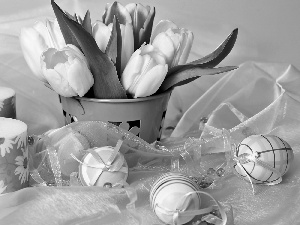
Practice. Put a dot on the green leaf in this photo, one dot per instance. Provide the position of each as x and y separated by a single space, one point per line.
87 23
66 32
106 82
189 74
214 58
114 46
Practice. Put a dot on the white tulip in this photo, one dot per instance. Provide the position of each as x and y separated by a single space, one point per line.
175 43
120 12
67 71
144 72
142 21
101 34
34 40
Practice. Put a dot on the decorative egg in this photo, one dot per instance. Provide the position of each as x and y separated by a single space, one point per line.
96 170
269 149
167 195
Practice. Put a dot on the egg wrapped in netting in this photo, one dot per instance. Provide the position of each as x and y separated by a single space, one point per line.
57 155
270 158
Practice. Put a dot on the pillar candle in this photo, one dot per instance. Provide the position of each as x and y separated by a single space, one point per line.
13 155
7 102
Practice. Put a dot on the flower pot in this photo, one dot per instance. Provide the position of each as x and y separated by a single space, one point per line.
141 116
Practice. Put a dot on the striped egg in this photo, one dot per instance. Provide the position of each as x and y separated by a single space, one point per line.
167 193
269 149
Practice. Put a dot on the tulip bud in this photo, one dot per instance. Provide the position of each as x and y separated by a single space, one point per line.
142 21
120 12
144 72
67 71
175 43
101 34
34 40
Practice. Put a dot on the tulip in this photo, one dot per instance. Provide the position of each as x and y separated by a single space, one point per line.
34 40
142 21
67 71
118 10
175 43
144 72
101 34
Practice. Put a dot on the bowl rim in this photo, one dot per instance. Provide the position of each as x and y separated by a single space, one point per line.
125 100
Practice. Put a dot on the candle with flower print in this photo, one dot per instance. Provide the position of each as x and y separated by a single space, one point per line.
13 155
7 103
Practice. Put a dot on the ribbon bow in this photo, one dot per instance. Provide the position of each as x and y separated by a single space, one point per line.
181 210
105 166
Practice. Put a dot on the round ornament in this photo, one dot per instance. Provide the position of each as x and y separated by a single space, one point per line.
172 195
103 167
266 158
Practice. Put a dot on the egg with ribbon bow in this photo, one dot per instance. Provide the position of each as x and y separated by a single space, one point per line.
173 196
103 167
263 159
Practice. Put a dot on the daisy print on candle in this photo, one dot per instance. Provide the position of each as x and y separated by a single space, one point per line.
22 169
21 140
5 145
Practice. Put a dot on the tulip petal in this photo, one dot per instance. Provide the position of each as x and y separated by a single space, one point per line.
118 10
79 77
151 81
55 38
142 21
31 52
162 26
146 30
127 44
101 34
165 45
138 15
183 50
59 85
131 71
73 51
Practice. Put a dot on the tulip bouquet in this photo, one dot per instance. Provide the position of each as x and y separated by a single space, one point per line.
119 57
